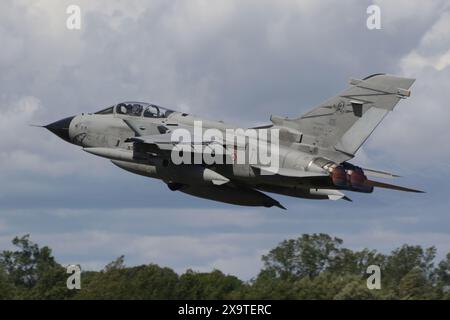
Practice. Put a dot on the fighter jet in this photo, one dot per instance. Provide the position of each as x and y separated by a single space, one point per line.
309 154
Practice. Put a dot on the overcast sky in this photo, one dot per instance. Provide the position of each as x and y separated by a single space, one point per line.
238 61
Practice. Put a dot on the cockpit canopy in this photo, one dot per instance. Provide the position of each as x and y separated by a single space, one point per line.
109 110
137 109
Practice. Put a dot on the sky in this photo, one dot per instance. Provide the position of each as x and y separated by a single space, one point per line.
237 61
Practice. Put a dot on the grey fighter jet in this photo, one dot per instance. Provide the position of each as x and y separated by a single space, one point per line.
311 153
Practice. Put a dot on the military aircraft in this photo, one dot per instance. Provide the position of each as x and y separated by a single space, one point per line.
312 152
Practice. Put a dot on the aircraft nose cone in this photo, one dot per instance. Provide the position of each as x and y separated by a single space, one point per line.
61 128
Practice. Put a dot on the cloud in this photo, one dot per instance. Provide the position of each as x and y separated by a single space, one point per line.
386 241
3 226
417 131
415 61
402 15
433 49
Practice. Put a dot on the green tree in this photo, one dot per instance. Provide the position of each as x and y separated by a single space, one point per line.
356 289
210 285
7 290
325 286
414 286
442 272
33 271
406 258
266 286
308 256
356 262
141 282
309 267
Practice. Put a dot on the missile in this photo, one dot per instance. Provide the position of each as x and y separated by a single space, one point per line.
184 174
215 178
111 153
191 175
332 194
145 170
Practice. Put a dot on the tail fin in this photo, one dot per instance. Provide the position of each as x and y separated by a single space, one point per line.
344 122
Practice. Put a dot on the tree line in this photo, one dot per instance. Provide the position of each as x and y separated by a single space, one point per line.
313 266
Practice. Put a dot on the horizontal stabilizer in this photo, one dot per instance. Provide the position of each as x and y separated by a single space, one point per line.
391 186
379 174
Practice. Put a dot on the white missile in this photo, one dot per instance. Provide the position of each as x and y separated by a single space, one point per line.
332 194
146 170
192 175
214 177
111 153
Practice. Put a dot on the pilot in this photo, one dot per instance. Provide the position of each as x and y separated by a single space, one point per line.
129 109
121 108
137 109
148 112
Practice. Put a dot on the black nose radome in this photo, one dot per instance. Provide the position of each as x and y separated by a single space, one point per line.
61 128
